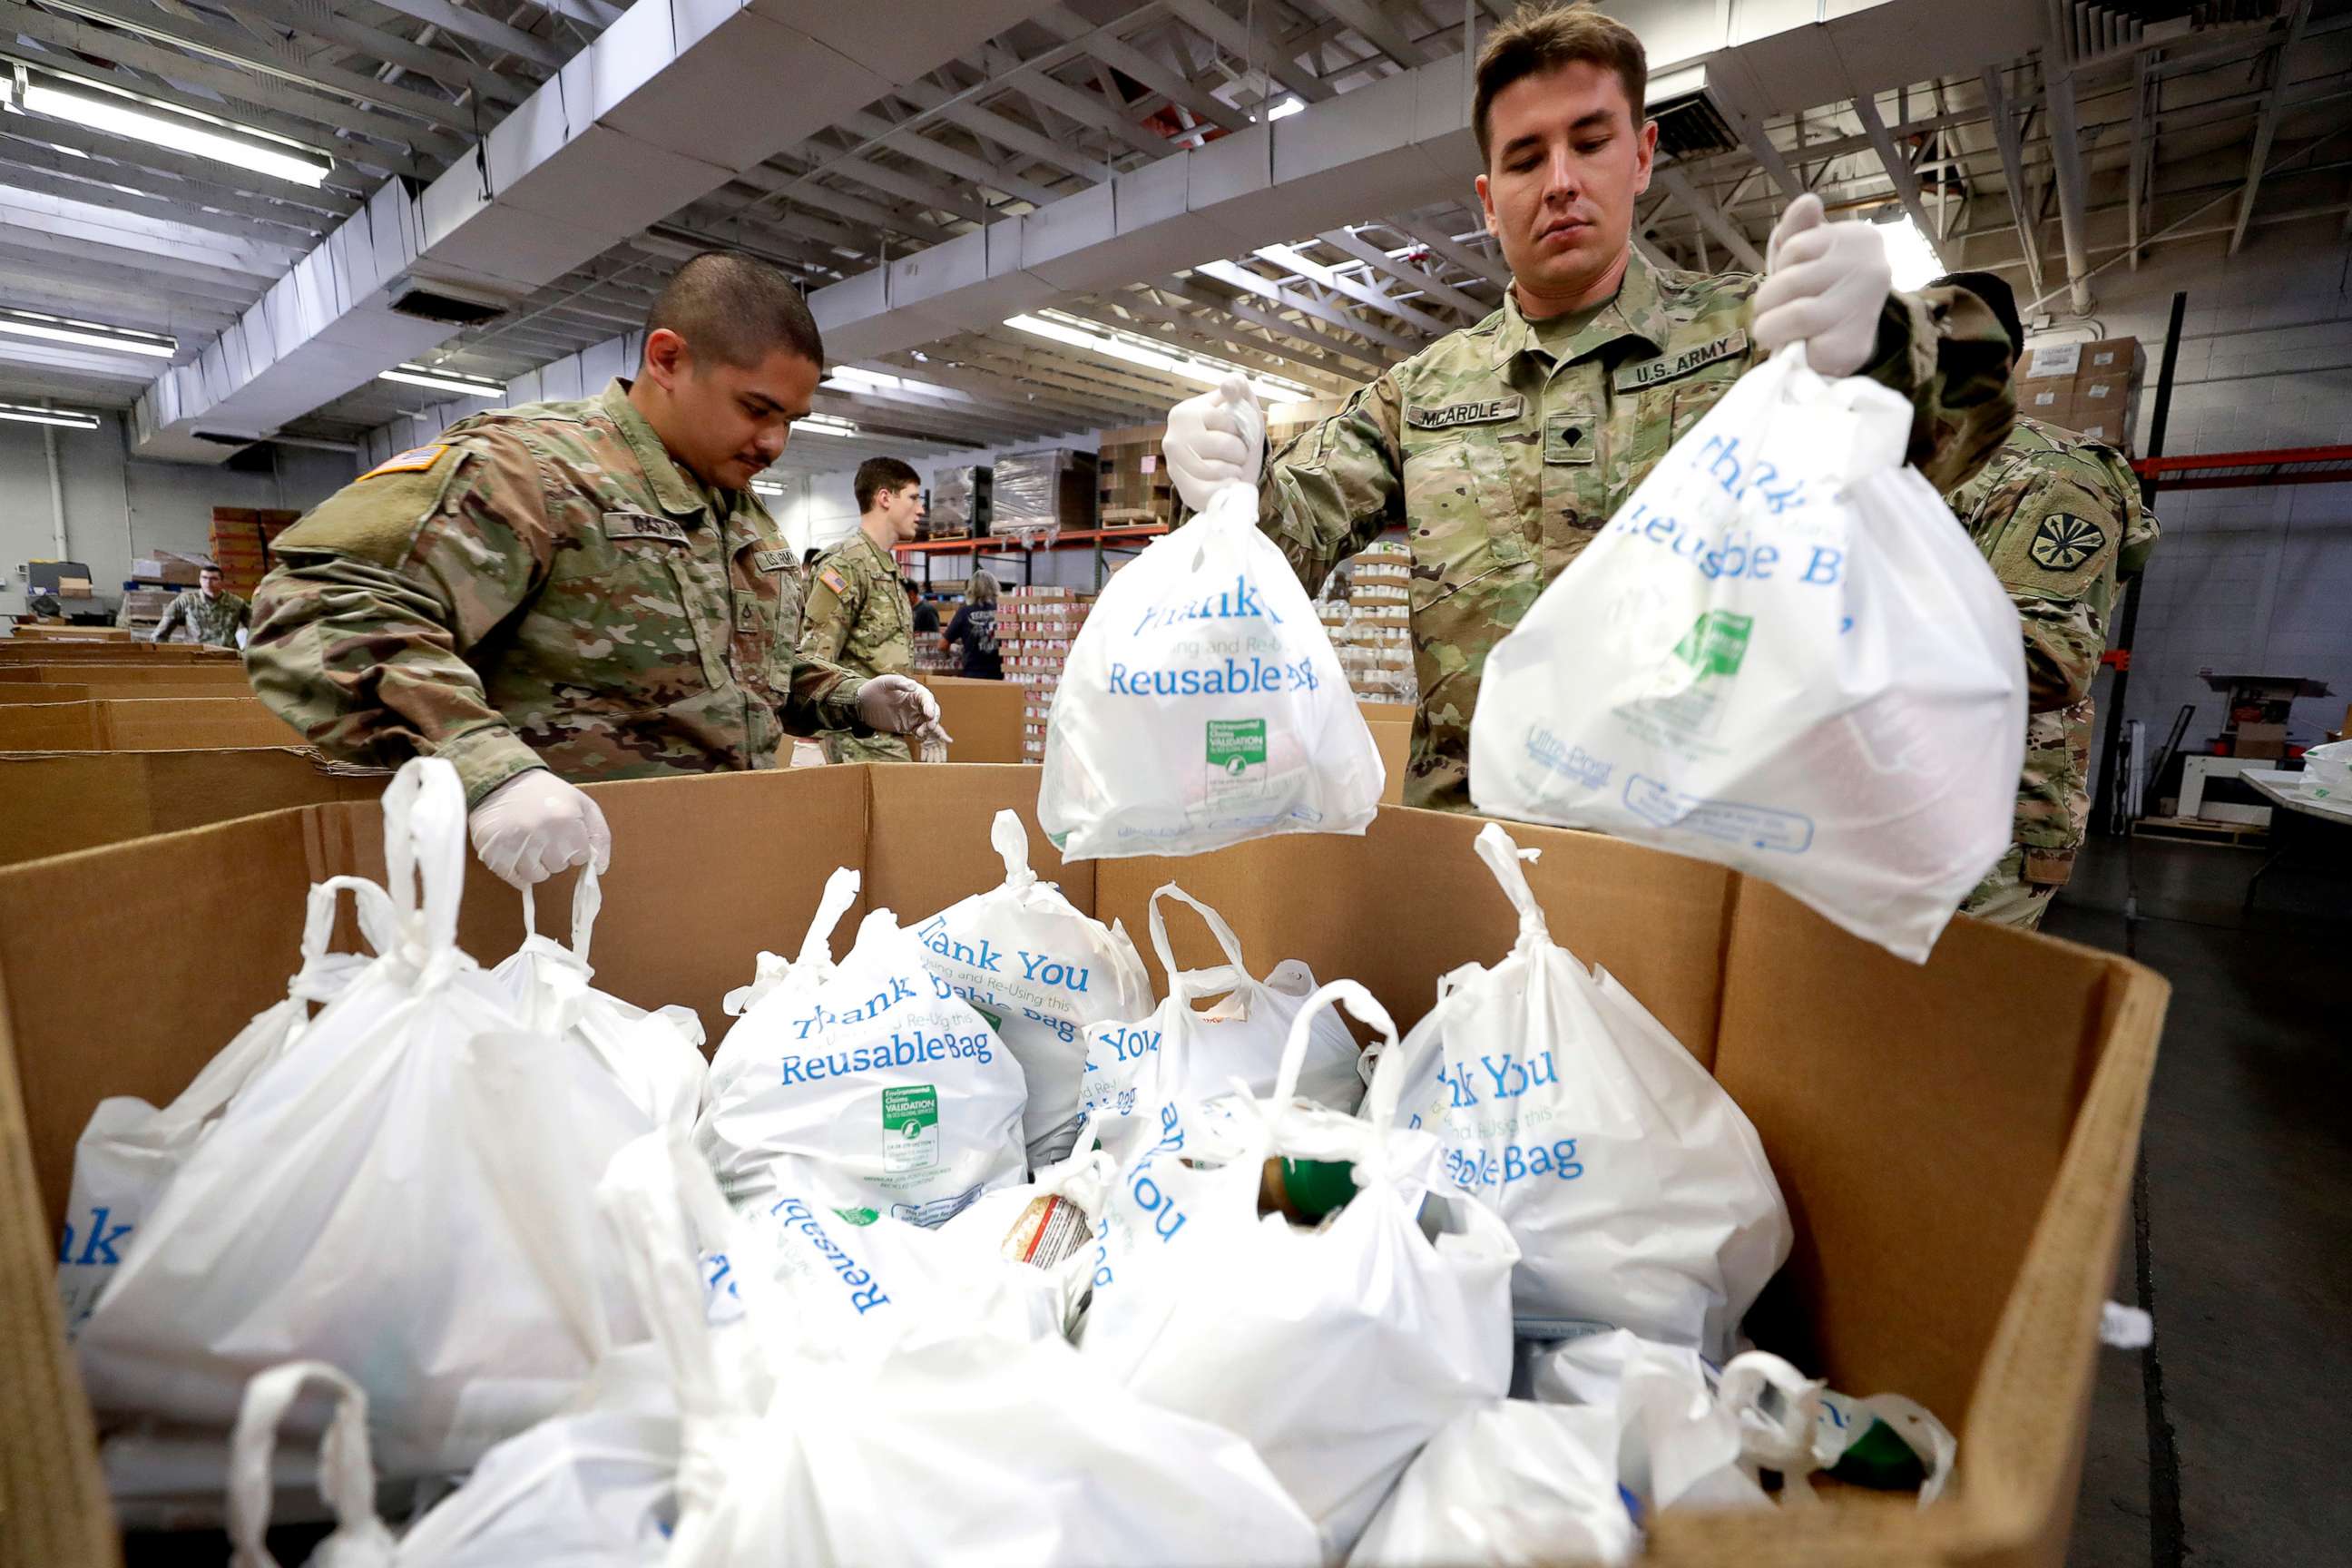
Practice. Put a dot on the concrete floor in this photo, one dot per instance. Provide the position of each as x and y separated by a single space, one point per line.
2228 1442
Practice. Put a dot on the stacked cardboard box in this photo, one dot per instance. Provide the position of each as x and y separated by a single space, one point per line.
1045 491
959 505
1372 631
167 569
1035 628
2088 387
241 540
1131 478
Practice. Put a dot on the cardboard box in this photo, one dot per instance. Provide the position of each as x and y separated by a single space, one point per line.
223 678
143 724
983 717
2061 362
117 647
169 567
1391 727
2105 390
52 803
2111 356
2052 402
1958 1182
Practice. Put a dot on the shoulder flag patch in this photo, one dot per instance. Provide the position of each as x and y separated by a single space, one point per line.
832 578
416 461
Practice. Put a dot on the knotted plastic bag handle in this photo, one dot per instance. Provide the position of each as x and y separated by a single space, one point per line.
587 901
425 842
346 1470
1191 982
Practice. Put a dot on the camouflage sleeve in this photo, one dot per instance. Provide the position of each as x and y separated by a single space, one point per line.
360 635
1946 352
1335 486
2053 555
835 602
823 695
174 613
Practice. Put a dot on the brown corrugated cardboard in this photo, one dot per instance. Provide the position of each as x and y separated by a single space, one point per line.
1956 1140
52 803
124 673
22 691
985 717
2118 356
2046 361
135 651
50 727
143 724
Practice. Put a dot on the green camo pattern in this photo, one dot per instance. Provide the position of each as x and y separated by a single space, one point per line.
212 622
865 627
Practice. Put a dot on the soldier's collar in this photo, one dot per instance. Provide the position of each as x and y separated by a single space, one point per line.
1635 312
677 492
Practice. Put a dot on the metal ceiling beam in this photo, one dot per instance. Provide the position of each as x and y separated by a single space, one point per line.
248 217
71 226
1044 381
1476 263
2012 170
109 267
1377 29
1122 55
594 13
1711 216
1355 289
1242 277
1079 371
1088 107
926 195
912 143
1906 179
772 183
1411 277
1188 332
136 162
1242 311
453 71
2266 123
1007 133
2066 153
465 23
61 294
995 387
1254 48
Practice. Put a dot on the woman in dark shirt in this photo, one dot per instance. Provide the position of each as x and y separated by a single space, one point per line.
975 627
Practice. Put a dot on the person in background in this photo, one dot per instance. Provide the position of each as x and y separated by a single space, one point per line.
927 614
2059 517
567 591
858 613
1504 447
213 615
975 627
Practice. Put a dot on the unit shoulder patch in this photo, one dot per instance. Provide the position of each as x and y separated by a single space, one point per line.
2063 542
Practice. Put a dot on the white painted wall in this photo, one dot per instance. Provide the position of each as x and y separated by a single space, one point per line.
117 507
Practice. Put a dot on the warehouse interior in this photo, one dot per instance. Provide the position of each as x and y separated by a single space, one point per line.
251 250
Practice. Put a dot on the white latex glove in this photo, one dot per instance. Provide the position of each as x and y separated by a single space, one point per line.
1214 440
1824 286
535 825
896 704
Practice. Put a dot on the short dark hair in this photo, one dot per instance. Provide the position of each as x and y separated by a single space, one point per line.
1542 37
736 308
208 566
912 587
1999 298
875 475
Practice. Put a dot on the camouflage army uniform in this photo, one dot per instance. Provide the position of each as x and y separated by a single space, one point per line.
213 622
857 618
2059 517
542 585
1502 449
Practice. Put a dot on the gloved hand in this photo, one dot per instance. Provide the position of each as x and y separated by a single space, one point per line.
535 825
896 704
1824 286
1214 440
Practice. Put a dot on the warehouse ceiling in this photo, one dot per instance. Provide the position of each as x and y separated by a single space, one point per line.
2071 141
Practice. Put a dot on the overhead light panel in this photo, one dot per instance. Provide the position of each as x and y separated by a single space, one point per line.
766 487
825 425
181 132
1913 260
1134 348
445 381
64 418
1284 110
85 335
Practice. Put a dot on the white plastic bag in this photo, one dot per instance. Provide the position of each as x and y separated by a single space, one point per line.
130 1151
409 1196
1637 1190
1337 1352
1203 705
656 1056
934 1446
1182 1054
869 1082
1782 654
2327 774
1039 971
1507 1484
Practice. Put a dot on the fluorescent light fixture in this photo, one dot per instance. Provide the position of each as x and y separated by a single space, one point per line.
823 424
65 418
766 487
85 335
216 140
1284 110
1134 348
849 378
1913 259
445 381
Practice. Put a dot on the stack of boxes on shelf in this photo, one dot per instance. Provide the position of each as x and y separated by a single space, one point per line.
1131 478
1372 632
2089 388
959 504
1035 628
157 579
1043 492
241 540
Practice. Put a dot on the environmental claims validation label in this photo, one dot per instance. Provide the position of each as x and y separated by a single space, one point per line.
910 1129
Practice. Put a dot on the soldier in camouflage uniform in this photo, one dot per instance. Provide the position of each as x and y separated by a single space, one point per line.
213 615
574 591
2059 517
1503 448
858 613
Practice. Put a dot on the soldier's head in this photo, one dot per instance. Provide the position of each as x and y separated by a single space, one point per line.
209 579
889 496
1999 298
1558 108
731 358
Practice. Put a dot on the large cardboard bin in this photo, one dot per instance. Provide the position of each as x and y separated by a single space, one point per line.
1956 1140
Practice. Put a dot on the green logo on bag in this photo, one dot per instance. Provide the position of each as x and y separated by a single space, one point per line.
858 1216
1236 743
1715 643
994 1020
908 1112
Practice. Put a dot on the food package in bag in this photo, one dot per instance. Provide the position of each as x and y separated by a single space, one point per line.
1039 971
1338 1350
1203 705
1636 1188
1183 1054
869 1082
806 1446
1782 654
656 1056
408 1195
130 1151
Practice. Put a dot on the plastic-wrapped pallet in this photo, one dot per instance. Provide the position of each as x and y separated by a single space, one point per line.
1050 488
959 502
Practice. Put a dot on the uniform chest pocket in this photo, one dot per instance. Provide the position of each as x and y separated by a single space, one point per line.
634 597
1694 396
1461 509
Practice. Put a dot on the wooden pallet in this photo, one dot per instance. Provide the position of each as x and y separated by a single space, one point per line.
1123 516
2196 830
